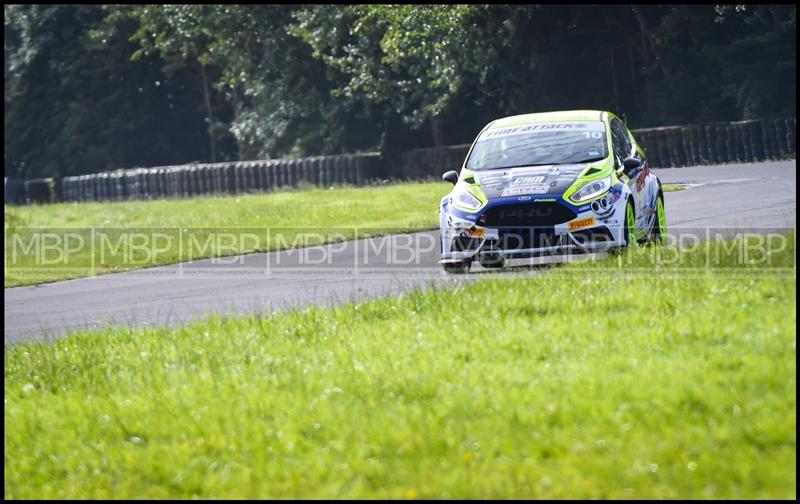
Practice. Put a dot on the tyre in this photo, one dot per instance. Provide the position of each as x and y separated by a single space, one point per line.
492 260
628 229
457 268
659 234
630 225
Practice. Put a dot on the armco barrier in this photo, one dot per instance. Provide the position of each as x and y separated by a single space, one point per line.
669 146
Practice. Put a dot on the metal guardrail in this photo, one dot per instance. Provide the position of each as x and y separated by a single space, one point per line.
670 146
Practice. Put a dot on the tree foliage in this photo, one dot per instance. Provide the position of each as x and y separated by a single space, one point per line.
91 88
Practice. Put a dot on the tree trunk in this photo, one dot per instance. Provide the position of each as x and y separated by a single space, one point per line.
210 114
647 57
644 34
437 131
614 83
636 84
391 151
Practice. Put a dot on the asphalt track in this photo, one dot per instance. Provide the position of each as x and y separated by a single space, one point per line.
735 196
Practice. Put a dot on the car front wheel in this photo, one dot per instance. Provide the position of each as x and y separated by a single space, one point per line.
630 225
628 229
492 260
457 268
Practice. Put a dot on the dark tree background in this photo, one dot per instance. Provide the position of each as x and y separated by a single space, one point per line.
92 88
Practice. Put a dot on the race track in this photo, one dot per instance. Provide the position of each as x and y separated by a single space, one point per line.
737 195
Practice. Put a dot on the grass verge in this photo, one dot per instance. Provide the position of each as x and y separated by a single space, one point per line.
339 214
138 234
672 187
580 382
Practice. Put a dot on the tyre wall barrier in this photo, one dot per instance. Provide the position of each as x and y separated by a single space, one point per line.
219 178
14 191
40 191
432 162
32 191
665 147
668 146
739 141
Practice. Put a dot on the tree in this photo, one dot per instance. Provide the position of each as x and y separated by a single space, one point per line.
75 105
92 88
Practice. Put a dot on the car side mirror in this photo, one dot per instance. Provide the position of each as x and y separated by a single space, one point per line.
450 176
630 164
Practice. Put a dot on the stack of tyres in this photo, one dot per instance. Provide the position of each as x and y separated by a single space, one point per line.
756 140
791 136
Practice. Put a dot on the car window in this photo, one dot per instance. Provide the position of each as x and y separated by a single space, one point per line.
619 137
539 144
626 135
628 142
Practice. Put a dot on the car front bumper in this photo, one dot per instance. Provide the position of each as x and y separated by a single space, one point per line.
587 232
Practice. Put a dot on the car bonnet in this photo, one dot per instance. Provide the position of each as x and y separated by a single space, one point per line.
550 179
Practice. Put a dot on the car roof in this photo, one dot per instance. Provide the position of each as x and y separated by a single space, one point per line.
543 117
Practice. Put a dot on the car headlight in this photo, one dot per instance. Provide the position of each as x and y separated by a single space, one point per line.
465 199
592 189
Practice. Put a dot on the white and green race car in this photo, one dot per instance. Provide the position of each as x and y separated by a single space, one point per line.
555 182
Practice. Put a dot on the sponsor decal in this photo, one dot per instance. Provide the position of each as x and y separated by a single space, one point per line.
545 200
542 127
615 193
652 194
525 189
461 214
528 180
531 213
524 198
640 179
581 223
474 233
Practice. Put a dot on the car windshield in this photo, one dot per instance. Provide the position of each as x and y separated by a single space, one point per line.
539 144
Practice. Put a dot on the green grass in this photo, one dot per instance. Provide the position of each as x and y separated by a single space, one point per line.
672 187
333 213
577 383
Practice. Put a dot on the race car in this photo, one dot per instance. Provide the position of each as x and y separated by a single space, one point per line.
549 183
